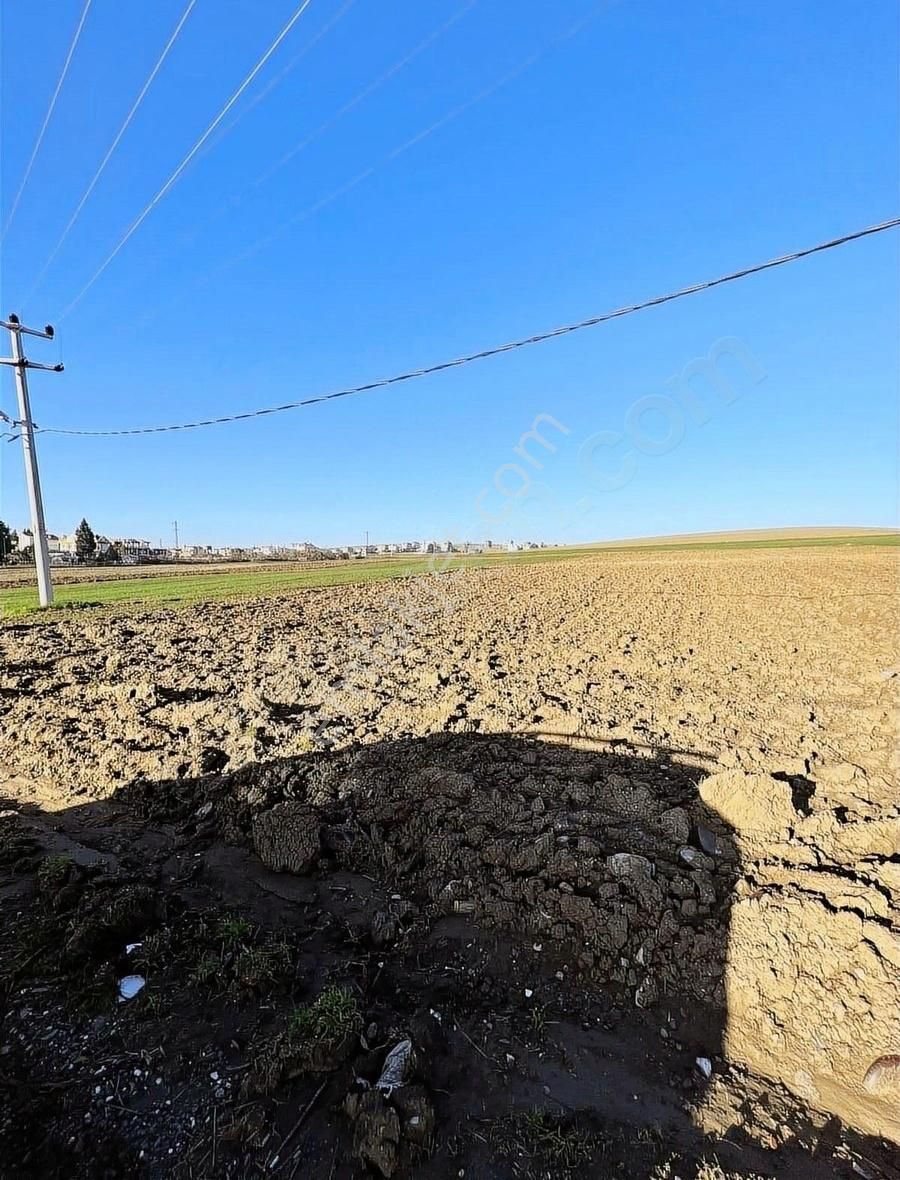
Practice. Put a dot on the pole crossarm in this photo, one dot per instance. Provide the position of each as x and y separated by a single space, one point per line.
13 325
26 364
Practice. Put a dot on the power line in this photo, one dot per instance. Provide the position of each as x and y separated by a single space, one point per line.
139 220
280 77
112 147
363 94
47 117
238 197
593 321
348 185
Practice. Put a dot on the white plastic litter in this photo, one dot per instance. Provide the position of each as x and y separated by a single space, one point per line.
129 986
705 1066
396 1064
132 946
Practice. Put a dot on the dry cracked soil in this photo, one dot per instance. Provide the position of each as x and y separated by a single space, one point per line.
584 869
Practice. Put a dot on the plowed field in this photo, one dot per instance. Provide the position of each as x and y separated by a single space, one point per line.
612 843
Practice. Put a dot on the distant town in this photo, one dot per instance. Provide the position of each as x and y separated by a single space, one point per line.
84 546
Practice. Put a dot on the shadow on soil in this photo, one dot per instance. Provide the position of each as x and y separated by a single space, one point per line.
546 926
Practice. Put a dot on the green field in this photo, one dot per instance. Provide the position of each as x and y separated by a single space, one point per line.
214 587
173 590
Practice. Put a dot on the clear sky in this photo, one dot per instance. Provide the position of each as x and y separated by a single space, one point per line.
561 173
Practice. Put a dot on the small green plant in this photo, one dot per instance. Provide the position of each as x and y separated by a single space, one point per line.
255 968
538 1018
152 1002
54 872
538 1134
205 970
317 1037
234 929
331 1017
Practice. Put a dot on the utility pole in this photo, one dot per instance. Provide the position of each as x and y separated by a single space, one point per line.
175 526
32 477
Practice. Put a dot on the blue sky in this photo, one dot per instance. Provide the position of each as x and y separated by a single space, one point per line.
654 146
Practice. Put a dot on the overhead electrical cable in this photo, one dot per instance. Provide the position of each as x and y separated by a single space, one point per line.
604 317
236 199
359 177
169 184
413 140
112 147
363 94
40 137
284 73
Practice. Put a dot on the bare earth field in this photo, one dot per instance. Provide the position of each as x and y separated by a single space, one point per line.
601 855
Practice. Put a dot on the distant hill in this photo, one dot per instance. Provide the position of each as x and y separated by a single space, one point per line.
798 533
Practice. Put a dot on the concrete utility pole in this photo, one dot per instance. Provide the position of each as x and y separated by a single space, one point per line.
175 526
32 477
